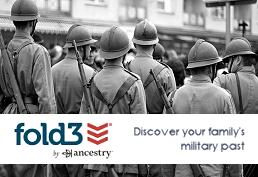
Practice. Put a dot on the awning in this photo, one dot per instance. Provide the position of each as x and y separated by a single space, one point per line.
49 26
202 33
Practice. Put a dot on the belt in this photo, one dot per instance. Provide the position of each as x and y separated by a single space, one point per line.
26 100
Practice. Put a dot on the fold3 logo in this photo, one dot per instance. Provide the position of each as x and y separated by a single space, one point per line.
95 134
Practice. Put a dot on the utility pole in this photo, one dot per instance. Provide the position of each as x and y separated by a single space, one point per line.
228 37
243 24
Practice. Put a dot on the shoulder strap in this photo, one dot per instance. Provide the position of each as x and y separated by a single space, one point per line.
120 93
239 94
15 55
123 89
97 93
156 70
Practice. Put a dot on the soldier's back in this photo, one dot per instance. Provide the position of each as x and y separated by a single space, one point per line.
141 66
109 81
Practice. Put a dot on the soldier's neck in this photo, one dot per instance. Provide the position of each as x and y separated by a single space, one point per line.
145 53
114 62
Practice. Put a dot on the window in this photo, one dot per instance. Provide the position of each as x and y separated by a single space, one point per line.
54 6
164 5
132 11
194 13
218 12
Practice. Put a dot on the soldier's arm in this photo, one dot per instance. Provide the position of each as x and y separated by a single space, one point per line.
143 170
235 170
219 80
167 80
138 98
1 100
43 82
230 105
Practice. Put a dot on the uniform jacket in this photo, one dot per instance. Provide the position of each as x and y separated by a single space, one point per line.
140 169
248 84
34 75
68 84
211 170
141 65
200 96
161 170
108 81
65 170
23 170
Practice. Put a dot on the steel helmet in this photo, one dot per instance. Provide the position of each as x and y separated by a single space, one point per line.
145 33
24 10
158 52
238 46
114 43
81 36
202 54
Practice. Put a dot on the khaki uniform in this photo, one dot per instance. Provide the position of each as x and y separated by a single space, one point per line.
108 81
200 96
66 170
33 76
212 170
122 170
248 84
68 84
141 65
23 170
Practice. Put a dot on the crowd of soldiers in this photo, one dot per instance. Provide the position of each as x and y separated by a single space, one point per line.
120 86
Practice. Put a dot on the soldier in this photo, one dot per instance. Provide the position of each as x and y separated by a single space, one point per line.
114 89
31 64
66 75
66 170
145 38
241 81
158 53
116 170
200 96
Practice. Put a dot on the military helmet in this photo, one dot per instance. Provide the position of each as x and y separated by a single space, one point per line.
158 52
238 46
81 36
145 33
24 10
202 54
114 43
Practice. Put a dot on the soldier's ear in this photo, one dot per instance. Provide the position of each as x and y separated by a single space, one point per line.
238 60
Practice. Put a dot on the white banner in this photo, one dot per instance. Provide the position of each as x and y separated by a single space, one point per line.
125 139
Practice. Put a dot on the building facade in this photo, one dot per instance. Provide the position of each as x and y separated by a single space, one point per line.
179 22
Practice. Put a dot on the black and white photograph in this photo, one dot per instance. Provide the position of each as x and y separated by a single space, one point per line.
128 57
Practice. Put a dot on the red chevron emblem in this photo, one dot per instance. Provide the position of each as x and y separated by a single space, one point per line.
97 142
98 128
97 135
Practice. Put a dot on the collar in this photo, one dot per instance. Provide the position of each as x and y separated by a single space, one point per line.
22 34
248 69
144 54
113 64
201 78
71 56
